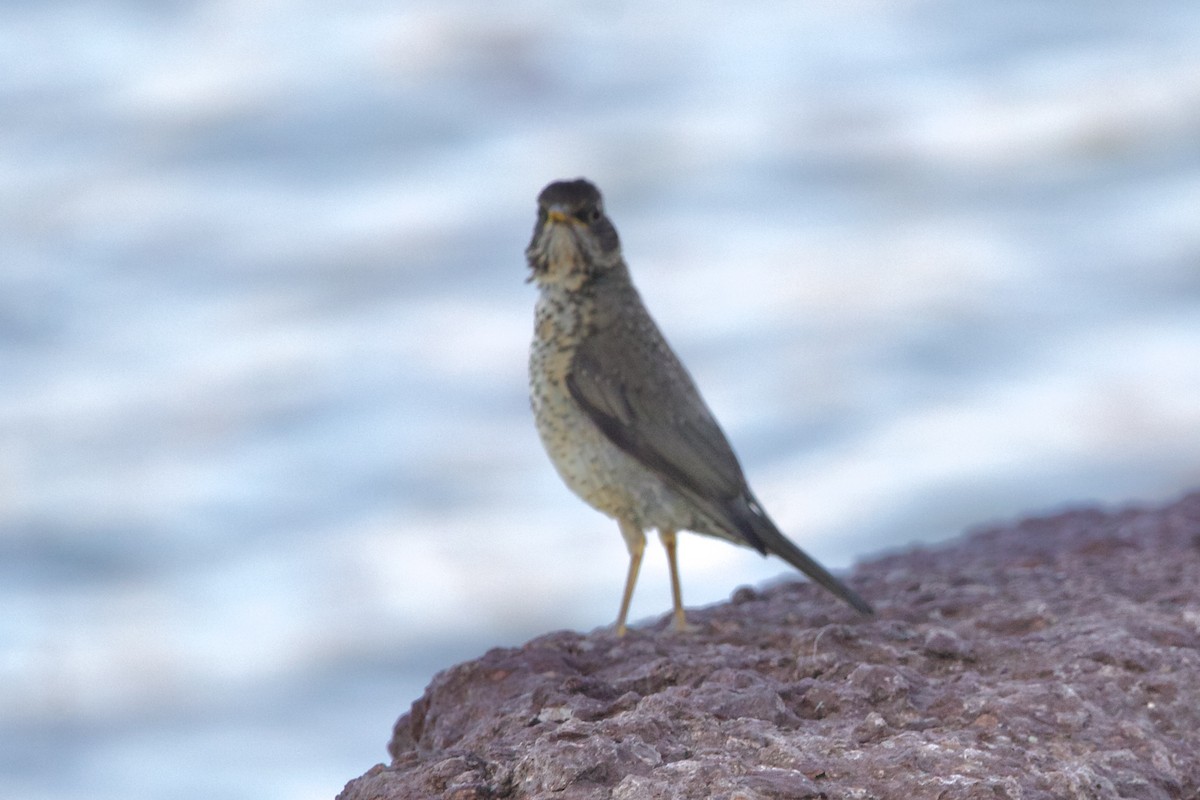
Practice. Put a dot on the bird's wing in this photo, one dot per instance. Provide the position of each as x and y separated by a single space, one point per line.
638 393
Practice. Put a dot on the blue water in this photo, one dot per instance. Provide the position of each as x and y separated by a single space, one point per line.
266 462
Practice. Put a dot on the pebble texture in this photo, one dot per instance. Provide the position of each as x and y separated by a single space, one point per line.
1054 658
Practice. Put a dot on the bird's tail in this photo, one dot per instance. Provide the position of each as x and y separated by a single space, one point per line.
760 532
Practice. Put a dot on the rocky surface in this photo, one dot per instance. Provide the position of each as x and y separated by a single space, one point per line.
1054 658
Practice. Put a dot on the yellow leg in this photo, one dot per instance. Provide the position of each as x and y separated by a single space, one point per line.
635 540
668 540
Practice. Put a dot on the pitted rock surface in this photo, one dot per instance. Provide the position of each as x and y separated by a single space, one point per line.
1054 658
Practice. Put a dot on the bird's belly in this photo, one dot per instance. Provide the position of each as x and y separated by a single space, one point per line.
607 478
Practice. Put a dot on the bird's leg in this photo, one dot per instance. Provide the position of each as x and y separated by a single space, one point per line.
668 540
635 540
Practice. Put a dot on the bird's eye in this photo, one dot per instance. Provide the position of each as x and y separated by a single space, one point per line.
590 214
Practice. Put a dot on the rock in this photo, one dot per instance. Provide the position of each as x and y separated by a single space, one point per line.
1054 658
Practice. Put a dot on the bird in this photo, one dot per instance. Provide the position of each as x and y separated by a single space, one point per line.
618 413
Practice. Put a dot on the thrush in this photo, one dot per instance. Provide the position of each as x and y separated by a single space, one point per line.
617 412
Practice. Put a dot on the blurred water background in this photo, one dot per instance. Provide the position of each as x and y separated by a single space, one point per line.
266 460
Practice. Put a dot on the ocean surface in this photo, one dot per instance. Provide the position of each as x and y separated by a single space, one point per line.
266 458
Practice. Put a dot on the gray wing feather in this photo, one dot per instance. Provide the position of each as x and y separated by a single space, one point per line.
686 446
633 387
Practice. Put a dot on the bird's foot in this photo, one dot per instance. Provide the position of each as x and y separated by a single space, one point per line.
680 625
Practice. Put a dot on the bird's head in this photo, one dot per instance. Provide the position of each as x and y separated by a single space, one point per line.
573 240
